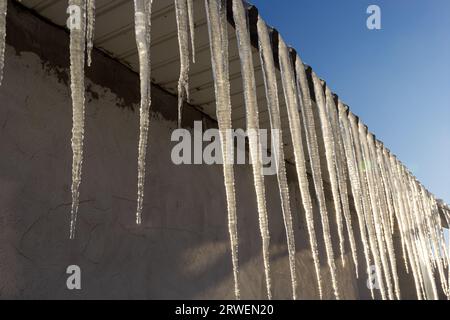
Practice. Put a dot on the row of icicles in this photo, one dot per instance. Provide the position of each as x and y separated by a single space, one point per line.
386 197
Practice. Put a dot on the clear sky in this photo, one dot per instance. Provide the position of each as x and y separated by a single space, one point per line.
396 79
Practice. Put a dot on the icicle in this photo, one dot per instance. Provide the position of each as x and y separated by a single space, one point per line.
3 10
313 151
413 230
90 9
384 225
248 78
403 222
425 224
380 180
190 6
339 160
417 250
440 232
396 209
387 194
77 52
370 163
410 242
366 204
386 186
217 27
182 14
142 27
330 155
435 229
355 183
289 89
422 239
270 81
310 130
446 214
292 103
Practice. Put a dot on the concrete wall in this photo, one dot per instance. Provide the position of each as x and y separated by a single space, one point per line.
182 248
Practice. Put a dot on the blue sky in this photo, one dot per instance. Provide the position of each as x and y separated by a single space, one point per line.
396 79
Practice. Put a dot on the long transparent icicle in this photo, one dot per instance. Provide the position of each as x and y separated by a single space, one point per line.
77 53
182 15
382 216
423 223
413 231
270 81
355 184
311 139
341 172
403 223
142 16
447 220
417 250
396 208
330 159
435 229
90 9
366 203
380 194
290 94
437 223
440 232
190 6
419 219
385 191
409 232
377 208
370 163
422 239
440 242
3 10
387 186
248 79
384 212
305 102
218 38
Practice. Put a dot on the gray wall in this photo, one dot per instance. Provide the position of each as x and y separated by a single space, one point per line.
182 248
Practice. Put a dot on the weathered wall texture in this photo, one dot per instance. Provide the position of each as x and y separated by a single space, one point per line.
182 248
